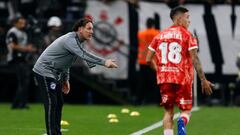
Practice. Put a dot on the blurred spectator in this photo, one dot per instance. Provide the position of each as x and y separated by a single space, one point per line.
107 1
75 9
174 3
48 8
238 65
237 87
18 49
54 24
12 9
3 48
3 10
147 84
27 7
135 3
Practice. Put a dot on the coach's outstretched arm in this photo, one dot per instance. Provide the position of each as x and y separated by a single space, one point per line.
76 48
110 63
90 57
205 84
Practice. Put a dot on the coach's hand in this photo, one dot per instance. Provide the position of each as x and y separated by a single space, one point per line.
66 87
110 64
206 87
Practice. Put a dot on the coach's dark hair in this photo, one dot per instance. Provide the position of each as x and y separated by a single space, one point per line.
177 10
81 23
150 23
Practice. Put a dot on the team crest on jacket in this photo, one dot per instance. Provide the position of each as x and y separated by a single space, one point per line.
53 85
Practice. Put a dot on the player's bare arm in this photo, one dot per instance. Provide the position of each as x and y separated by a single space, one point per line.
154 65
206 85
149 59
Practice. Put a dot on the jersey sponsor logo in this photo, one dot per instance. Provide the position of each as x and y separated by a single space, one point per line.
169 69
53 85
183 102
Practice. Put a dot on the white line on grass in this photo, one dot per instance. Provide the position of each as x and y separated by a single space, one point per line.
158 124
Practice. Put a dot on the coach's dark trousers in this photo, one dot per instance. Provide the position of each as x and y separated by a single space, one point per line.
53 102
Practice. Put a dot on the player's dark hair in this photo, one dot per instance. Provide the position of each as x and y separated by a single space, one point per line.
81 23
177 10
150 22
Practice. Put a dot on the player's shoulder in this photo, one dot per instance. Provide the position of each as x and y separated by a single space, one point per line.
166 30
163 32
158 35
185 31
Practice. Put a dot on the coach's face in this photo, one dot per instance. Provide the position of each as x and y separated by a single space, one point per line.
86 31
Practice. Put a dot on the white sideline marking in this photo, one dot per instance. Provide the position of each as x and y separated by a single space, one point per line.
158 124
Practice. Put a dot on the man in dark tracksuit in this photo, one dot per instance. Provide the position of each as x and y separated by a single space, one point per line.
18 49
52 70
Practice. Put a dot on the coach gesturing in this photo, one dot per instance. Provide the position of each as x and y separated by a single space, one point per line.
52 70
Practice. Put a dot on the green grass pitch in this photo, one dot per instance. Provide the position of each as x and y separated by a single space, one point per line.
92 120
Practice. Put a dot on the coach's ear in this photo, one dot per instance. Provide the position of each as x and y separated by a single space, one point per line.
80 29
